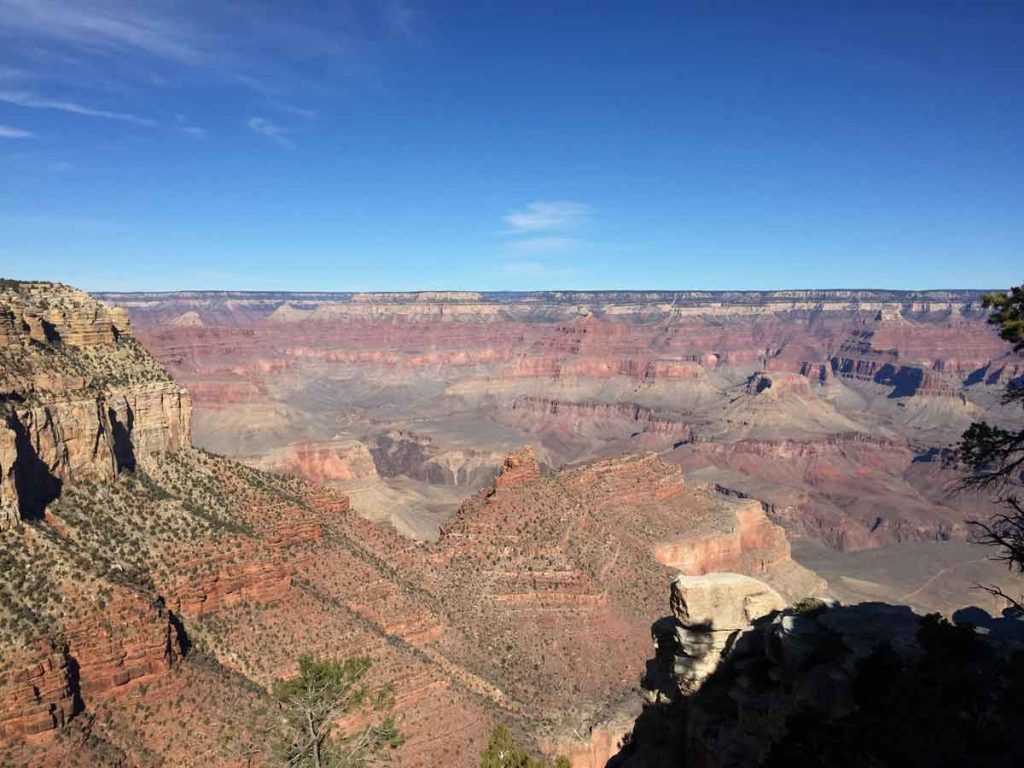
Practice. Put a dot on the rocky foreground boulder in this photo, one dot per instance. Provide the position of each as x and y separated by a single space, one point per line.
739 679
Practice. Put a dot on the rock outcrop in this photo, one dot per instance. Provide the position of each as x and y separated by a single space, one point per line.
79 399
708 613
753 545
80 402
128 644
517 468
231 585
741 680
36 697
9 508
114 650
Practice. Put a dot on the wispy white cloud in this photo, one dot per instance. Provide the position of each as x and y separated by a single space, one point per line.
33 101
186 127
7 132
243 40
108 25
290 57
271 130
292 109
548 216
10 74
543 228
555 244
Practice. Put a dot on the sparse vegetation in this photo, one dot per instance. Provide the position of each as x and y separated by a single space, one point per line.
143 530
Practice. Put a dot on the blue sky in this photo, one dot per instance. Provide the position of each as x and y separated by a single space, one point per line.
407 144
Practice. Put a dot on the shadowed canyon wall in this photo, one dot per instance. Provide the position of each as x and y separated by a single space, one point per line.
739 679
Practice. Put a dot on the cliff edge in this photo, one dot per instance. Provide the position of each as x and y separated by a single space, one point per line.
739 679
79 397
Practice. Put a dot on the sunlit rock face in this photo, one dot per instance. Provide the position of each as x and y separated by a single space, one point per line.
81 400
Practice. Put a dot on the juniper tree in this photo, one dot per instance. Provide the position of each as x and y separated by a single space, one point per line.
502 752
994 455
313 700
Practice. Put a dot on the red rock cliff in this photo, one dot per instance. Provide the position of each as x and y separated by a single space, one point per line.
79 399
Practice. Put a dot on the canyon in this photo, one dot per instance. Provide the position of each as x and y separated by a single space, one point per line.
836 409
485 494
154 591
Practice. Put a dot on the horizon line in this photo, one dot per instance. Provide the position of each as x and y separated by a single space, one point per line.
527 292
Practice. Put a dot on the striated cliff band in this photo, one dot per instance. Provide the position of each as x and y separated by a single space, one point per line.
80 398
835 408
153 591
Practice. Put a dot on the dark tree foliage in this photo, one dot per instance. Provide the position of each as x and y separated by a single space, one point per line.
994 456
957 704
1008 314
502 752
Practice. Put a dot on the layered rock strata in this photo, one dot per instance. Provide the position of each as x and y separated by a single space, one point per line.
110 652
439 386
79 399
320 462
753 545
